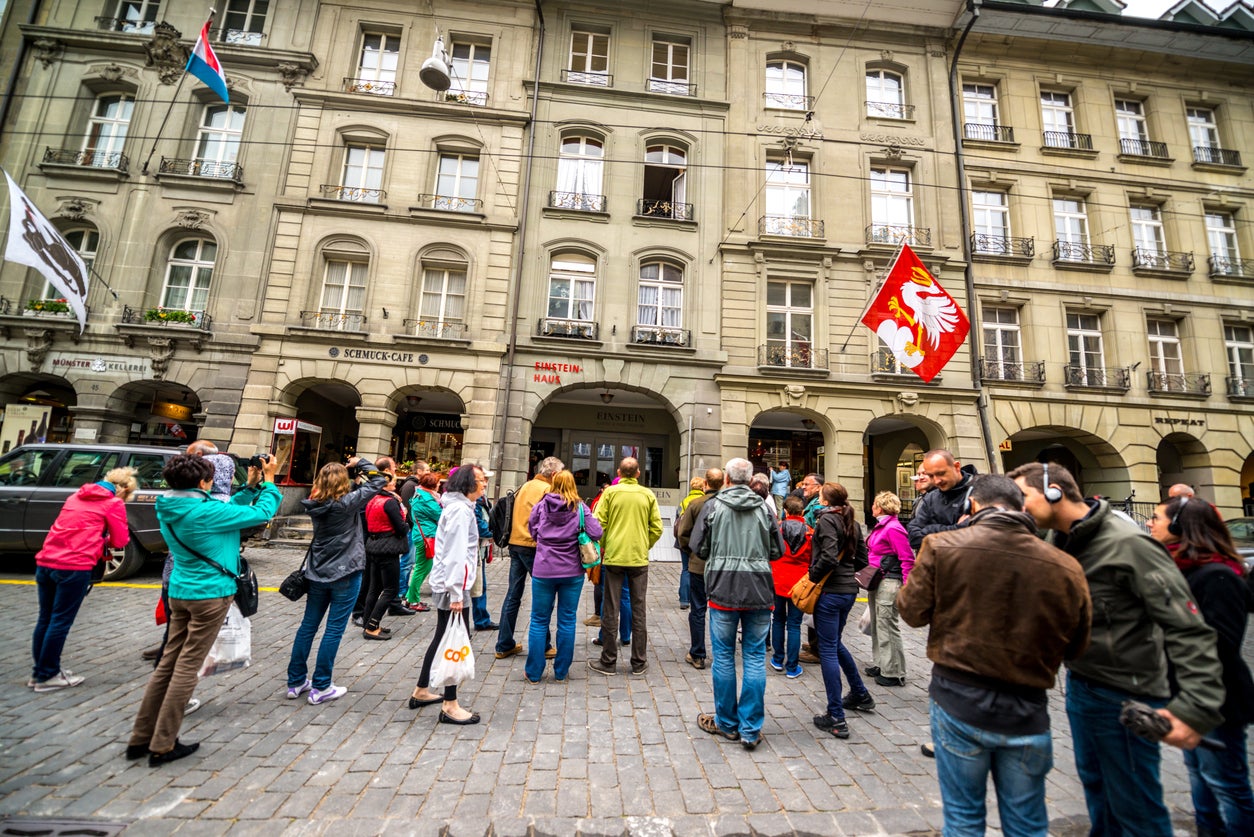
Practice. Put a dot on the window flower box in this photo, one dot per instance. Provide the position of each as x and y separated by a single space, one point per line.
47 308
169 315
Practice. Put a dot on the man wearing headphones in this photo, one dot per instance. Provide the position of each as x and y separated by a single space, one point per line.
1143 613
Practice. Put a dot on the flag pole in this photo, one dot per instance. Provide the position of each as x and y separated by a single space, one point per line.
169 110
901 245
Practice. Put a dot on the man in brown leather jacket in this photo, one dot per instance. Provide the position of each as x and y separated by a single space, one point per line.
1005 609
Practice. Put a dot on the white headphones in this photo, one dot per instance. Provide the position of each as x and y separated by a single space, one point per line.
1052 492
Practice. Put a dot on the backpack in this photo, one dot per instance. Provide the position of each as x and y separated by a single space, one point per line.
501 520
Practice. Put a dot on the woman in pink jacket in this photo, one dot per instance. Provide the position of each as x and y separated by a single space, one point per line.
888 548
91 522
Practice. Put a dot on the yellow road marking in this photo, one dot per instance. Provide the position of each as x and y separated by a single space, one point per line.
31 583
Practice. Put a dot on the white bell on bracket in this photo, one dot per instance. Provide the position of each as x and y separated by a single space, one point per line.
434 72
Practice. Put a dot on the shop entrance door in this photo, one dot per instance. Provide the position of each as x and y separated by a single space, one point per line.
594 459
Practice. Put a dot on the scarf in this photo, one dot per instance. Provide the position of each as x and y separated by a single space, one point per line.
1187 565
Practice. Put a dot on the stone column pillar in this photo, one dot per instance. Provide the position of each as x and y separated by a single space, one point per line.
374 431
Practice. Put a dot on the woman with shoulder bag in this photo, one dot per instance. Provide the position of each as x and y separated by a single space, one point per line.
337 557
92 521
558 573
425 510
387 539
888 548
837 552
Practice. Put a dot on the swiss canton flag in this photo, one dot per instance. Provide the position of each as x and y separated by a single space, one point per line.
916 318
204 65
36 243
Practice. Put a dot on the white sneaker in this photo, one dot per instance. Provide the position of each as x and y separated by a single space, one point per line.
316 697
192 706
60 680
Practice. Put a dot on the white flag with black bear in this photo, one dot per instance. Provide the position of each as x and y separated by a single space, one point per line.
36 243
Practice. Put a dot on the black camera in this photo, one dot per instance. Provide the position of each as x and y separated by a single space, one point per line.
258 460
362 468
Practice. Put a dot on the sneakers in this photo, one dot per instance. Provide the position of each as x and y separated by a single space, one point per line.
180 751
61 680
827 723
639 670
751 745
871 671
331 693
775 665
928 749
192 706
859 703
696 662
890 681
517 649
794 673
294 692
596 665
683 605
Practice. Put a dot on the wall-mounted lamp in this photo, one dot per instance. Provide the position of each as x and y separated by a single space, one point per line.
385 313
413 401
607 396
808 424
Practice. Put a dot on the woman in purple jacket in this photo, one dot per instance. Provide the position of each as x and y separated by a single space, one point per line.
888 548
557 573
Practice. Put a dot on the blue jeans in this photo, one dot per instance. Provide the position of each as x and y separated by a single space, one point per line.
479 604
746 713
334 600
966 754
696 616
624 615
521 560
544 591
684 583
1222 801
1119 771
785 633
829 622
407 566
61 593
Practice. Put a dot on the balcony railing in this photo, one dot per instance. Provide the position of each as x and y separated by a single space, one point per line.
896 234
450 203
202 168
237 37
577 201
889 110
1186 383
1216 156
1066 139
787 225
884 362
649 208
788 101
988 132
353 194
121 24
1241 387
333 320
1162 260
150 316
659 335
1000 245
88 159
558 327
1068 252
794 356
434 329
584 77
1097 378
467 97
1022 372
1224 266
673 88
373 86
1142 148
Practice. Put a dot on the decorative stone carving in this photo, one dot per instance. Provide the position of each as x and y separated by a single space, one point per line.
738 31
789 46
113 72
293 75
191 219
160 349
74 209
886 55
47 50
38 342
907 399
794 392
166 54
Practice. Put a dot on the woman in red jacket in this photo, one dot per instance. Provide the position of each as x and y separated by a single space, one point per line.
92 521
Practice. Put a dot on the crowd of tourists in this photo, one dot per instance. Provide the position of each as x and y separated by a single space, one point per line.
1014 576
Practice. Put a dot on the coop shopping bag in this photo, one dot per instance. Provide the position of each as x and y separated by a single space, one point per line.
454 661
233 647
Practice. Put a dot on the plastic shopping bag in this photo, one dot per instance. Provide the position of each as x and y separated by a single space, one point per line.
233 648
455 660
864 622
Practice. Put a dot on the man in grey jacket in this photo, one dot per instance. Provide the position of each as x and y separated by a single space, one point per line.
738 537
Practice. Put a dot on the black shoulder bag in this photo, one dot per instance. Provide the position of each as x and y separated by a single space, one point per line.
296 585
246 591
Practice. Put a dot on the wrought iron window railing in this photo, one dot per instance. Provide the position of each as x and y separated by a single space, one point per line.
333 320
237 37
1030 372
559 327
370 85
889 110
673 88
788 101
122 24
659 335
89 159
897 233
1071 252
353 194
1097 377
1066 139
787 225
584 77
1142 148
434 329
1001 245
577 201
1189 383
1224 266
650 208
1240 387
1162 260
140 316
884 362
988 132
450 203
1216 156
467 97
202 168
792 356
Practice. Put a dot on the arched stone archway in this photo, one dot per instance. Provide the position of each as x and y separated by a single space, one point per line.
153 413
1182 458
331 405
894 447
1094 462
428 426
789 434
42 391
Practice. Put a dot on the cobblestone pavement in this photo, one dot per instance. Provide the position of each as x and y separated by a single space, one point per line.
594 755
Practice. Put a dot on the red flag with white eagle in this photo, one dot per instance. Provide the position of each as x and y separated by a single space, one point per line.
916 318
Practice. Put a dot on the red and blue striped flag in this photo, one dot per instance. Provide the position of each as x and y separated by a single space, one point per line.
204 65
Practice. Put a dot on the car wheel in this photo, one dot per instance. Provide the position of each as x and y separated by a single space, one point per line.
125 563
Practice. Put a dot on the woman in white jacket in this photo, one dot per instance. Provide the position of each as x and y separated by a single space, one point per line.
452 575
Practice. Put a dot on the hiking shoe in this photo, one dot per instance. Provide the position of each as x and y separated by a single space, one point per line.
180 750
808 657
860 703
597 665
593 621
696 662
827 723
330 693
550 654
293 692
517 649
61 680
775 665
794 673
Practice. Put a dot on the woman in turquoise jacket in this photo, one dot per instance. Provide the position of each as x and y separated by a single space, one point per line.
426 511
195 525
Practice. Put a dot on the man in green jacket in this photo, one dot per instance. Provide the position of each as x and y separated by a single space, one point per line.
1143 613
629 514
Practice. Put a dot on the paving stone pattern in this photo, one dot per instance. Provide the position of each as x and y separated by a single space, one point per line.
595 755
